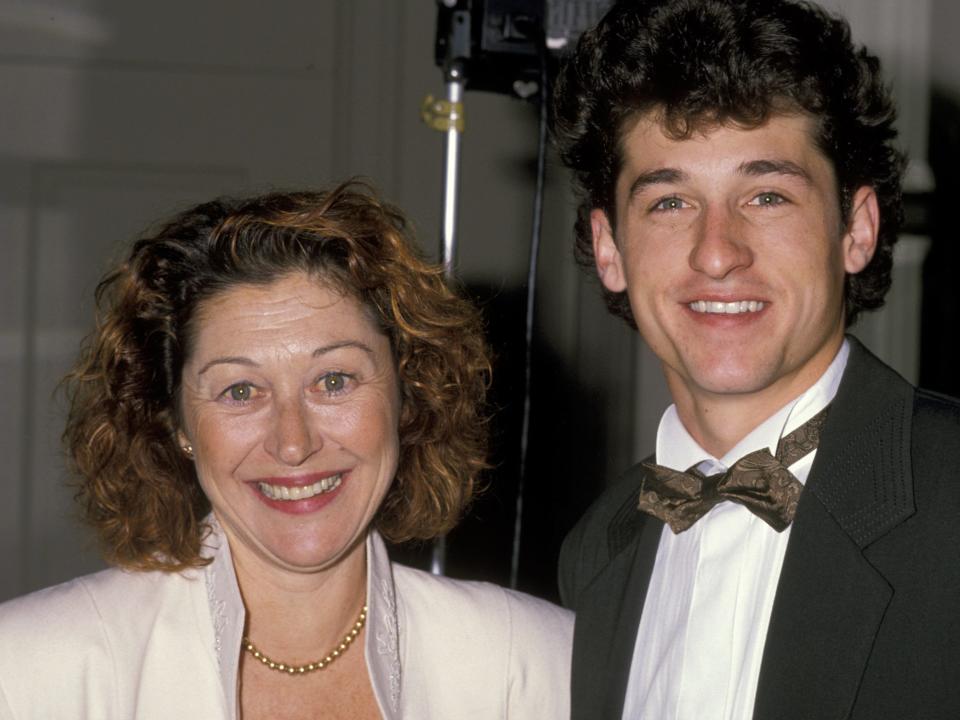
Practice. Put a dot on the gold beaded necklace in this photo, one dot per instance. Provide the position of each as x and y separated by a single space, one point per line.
319 664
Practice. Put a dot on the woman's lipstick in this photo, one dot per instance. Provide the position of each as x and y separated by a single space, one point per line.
301 494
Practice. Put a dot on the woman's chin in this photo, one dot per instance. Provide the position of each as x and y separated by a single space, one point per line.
303 549
313 554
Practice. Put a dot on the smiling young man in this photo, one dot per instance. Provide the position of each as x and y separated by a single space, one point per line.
791 549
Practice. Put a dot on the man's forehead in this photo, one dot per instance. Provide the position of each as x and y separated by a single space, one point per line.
648 140
678 127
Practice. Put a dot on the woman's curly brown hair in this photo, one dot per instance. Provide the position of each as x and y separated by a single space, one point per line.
137 488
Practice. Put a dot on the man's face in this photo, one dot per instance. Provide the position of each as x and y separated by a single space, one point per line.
732 251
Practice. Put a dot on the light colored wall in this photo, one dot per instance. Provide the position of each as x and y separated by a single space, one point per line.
945 48
117 113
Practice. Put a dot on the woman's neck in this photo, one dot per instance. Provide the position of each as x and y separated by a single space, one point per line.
298 617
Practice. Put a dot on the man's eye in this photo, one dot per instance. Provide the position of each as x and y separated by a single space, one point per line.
768 199
240 392
670 203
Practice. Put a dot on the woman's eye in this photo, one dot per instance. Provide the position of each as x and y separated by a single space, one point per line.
670 203
240 392
334 383
768 199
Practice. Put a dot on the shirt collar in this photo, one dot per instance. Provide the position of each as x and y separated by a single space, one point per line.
228 616
227 612
382 647
677 449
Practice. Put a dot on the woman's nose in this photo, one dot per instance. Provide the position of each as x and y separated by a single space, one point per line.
293 438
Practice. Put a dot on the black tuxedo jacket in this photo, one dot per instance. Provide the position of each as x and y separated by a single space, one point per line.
866 619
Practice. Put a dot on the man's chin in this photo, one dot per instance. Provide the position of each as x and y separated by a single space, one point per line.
730 380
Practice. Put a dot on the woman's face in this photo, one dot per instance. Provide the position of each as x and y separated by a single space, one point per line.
291 403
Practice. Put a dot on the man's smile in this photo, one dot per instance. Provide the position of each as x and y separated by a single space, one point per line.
729 308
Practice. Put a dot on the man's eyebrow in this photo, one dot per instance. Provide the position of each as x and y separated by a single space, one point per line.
775 167
655 177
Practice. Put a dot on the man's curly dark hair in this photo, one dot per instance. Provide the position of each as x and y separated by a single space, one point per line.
697 63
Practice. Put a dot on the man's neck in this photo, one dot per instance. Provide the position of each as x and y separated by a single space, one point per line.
719 426
718 421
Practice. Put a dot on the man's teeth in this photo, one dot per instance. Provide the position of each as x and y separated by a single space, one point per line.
730 308
282 492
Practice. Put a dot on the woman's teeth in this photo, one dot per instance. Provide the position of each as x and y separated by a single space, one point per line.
283 492
730 308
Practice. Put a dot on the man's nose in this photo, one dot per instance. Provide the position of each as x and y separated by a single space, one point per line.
720 245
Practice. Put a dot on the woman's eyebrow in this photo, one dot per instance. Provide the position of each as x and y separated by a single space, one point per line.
323 349
230 360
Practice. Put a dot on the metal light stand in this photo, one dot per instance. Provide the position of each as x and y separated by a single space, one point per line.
447 116
455 81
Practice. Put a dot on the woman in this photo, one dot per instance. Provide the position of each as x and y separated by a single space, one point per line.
273 387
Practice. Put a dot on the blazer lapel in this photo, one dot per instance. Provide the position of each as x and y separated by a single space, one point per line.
831 599
609 614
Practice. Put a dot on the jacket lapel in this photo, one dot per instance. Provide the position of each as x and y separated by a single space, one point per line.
831 599
608 615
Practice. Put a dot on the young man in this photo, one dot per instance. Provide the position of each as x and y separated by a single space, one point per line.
791 550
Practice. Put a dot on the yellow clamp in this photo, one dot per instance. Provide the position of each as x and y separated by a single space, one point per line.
442 115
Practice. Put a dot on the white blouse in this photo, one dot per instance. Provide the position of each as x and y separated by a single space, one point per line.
119 645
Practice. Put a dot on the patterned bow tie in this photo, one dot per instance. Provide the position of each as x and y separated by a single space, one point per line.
759 481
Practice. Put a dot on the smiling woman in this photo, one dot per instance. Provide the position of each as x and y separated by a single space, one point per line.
290 403
275 385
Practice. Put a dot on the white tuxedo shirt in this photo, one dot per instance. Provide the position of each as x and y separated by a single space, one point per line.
704 623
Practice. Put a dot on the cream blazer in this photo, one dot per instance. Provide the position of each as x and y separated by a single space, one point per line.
121 645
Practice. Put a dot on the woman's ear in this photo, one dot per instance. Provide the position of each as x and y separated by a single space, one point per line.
184 442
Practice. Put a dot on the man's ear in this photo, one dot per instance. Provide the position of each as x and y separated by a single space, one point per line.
860 240
606 254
